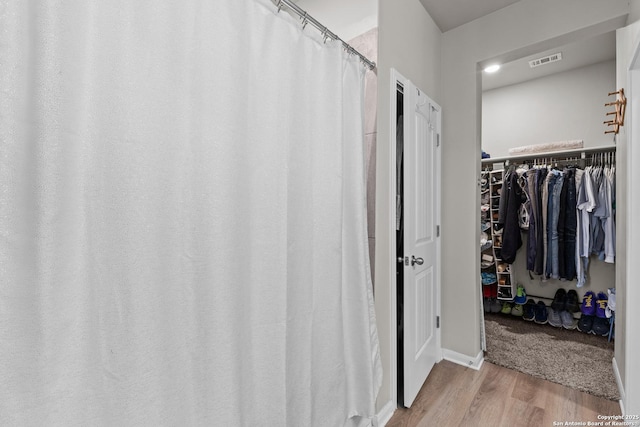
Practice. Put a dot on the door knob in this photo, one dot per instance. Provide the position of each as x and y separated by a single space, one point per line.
415 260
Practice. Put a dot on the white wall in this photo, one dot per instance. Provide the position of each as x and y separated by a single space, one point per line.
626 314
559 107
409 41
524 28
346 19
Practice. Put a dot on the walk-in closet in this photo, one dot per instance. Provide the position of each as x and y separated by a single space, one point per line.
548 214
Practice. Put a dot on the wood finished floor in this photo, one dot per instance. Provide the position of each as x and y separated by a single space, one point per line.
454 395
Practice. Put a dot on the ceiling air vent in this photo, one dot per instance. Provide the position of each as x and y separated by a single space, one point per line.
545 60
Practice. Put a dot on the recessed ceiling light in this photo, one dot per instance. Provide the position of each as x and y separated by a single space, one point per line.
492 68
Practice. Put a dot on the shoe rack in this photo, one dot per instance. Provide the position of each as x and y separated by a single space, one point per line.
488 270
504 271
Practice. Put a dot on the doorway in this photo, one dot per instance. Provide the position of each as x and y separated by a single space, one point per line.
554 97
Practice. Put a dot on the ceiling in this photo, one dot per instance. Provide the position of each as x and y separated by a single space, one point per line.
574 55
449 14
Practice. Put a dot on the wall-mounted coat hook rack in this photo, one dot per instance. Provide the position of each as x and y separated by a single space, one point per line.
620 105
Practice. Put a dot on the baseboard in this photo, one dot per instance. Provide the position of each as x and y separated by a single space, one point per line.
463 359
616 373
385 414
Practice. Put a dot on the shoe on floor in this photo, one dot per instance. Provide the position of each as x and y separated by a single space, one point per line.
506 308
585 323
517 310
588 306
611 303
600 326
541 315
495 305
553 317
529 310
573 301
568 321
521 295
601 305
559 300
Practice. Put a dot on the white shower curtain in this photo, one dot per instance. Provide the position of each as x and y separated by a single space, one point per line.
182 218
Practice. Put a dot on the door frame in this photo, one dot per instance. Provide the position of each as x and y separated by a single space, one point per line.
630 390
397 78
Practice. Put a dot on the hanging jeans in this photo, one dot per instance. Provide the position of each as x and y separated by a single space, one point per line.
570 226
552 228
540 178
562 215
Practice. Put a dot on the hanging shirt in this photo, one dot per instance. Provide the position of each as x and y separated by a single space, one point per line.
583 228
608 221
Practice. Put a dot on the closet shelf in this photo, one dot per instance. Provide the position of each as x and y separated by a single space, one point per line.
486 245
565 153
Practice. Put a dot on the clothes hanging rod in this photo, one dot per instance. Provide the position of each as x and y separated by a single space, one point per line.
577 152
308 19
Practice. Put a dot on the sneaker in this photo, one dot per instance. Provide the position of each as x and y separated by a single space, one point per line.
559 300
506 308
611 303
517 310
521 295
568 322
495 305
529 310
505 293
601 305
554 318
573 304
541 313
600 326
588 306
585 323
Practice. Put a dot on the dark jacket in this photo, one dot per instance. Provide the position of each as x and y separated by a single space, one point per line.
511 238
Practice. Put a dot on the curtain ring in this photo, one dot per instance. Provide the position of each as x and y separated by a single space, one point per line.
325 36
279 5
304 20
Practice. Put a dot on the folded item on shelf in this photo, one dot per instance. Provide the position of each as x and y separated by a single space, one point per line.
547 146
488 278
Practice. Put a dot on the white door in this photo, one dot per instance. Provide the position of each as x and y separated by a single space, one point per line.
422 120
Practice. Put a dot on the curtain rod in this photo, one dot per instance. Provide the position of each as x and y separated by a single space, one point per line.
566 153
308 19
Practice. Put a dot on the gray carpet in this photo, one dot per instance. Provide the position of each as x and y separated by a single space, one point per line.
571 358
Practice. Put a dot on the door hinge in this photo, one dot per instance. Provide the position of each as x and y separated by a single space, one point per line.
437 321
437 140
437 231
